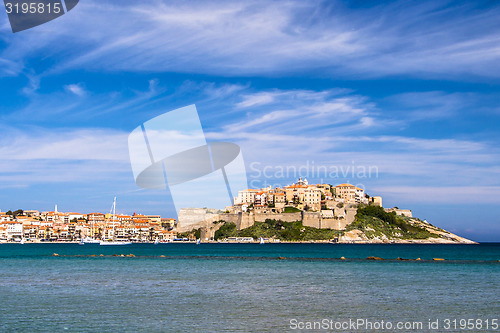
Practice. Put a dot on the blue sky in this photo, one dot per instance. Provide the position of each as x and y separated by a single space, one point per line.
409 87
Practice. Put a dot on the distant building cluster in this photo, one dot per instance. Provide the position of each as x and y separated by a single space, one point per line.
304 196
317 205
58 226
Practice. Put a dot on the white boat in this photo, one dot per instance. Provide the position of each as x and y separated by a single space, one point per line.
22 241
113 241
89 240
157 241
262 240
198 241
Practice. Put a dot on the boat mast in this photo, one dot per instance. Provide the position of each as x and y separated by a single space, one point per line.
113 217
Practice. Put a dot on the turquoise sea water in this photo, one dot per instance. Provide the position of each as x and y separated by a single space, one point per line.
243 287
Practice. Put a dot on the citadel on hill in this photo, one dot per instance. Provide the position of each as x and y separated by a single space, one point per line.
306 212
321 206
304 196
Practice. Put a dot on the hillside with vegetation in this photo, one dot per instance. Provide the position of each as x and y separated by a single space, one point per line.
373 223
285 231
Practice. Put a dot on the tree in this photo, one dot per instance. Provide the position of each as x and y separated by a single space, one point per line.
15 213
197 233
225 231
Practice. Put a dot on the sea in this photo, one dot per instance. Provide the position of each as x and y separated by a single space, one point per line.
226 287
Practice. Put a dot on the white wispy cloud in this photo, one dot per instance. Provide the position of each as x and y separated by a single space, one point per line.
68 104
275 127
296 128
76 89
42 156
64 144
267 38
257 99
285 111
432 105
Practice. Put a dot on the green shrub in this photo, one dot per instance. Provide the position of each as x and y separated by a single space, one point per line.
286 231
226 230
290 209
388 224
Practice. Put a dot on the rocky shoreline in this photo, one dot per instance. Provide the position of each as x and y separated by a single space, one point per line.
446 237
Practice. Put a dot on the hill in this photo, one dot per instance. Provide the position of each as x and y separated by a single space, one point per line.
372 224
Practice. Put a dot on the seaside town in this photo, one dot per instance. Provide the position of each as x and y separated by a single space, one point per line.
320 202
35 226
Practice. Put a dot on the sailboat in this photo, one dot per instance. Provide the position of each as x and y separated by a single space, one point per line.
198 241
89 239
113 241
157 241
261 240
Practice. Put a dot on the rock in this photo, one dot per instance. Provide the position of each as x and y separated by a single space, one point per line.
438 259
418 259
281 258
55 255
374 258
162 256
342 258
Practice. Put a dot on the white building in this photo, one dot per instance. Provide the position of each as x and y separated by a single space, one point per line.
245 197
14 230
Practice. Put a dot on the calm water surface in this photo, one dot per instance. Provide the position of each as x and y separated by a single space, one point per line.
241 287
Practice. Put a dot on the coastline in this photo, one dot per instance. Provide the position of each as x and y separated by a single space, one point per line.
392 242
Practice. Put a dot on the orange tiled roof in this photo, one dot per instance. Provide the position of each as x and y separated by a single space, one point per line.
348 185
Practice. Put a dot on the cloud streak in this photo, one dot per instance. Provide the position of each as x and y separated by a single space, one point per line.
423 39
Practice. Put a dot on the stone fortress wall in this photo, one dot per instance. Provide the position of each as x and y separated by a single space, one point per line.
206 219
